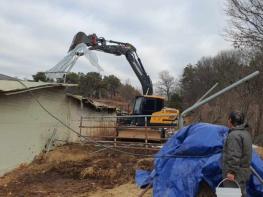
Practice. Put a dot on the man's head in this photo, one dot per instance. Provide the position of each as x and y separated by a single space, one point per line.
235 118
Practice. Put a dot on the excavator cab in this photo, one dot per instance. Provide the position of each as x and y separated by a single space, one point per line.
146 105
153 105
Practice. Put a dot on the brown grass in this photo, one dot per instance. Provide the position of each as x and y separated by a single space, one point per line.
71 170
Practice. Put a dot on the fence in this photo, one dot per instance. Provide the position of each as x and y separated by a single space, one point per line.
121 130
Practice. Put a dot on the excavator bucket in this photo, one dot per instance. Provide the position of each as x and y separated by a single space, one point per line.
80 37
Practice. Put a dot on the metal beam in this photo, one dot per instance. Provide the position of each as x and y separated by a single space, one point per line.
210 90
196 105
256 174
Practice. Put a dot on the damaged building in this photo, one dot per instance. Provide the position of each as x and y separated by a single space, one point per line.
26 128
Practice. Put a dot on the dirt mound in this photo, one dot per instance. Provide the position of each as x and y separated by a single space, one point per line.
145 164
125 190
104 168
70 170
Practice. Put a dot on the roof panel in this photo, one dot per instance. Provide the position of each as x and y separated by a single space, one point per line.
5 77
8 85
96 104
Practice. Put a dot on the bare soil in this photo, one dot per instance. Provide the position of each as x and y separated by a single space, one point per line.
76 170
72 170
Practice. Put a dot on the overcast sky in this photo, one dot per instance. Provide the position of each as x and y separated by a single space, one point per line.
168 34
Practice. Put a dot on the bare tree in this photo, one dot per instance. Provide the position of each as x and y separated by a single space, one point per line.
246 23
166 84
226 68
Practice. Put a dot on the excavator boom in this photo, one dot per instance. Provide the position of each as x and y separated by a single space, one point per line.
117 48
143 105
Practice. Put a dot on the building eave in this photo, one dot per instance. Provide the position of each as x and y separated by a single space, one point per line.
8 87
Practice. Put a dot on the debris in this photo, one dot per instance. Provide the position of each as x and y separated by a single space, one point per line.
71 170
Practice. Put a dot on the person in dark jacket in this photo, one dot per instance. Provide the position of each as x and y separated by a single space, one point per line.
237 152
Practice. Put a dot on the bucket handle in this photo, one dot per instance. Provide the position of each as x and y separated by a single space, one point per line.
228 180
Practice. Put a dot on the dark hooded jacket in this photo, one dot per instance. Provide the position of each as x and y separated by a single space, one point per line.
237 153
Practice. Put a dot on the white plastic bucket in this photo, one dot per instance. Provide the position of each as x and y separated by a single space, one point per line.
228 192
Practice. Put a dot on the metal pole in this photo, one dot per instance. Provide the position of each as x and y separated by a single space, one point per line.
256 174
145 190
80 126
196 105
210 90
50 140
65 77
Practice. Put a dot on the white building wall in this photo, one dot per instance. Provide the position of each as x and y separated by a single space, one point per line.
25 128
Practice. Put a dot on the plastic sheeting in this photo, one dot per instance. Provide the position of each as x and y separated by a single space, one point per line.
66 64
193 154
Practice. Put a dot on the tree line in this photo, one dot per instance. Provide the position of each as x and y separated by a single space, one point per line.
226 68
94 85
245 31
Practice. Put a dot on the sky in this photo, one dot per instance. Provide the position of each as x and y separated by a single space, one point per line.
168 34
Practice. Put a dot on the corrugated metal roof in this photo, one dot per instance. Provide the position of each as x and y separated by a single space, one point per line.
99 105
95 104
14 87
78 97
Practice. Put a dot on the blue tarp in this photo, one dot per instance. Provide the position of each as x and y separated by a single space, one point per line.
193 154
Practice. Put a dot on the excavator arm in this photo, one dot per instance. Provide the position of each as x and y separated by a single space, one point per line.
117 48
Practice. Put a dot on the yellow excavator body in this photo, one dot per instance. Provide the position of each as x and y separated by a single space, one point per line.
167 116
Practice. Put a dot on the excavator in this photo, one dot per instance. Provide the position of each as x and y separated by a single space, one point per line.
148 104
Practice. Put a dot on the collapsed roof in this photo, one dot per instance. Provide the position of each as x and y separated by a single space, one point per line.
95 104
